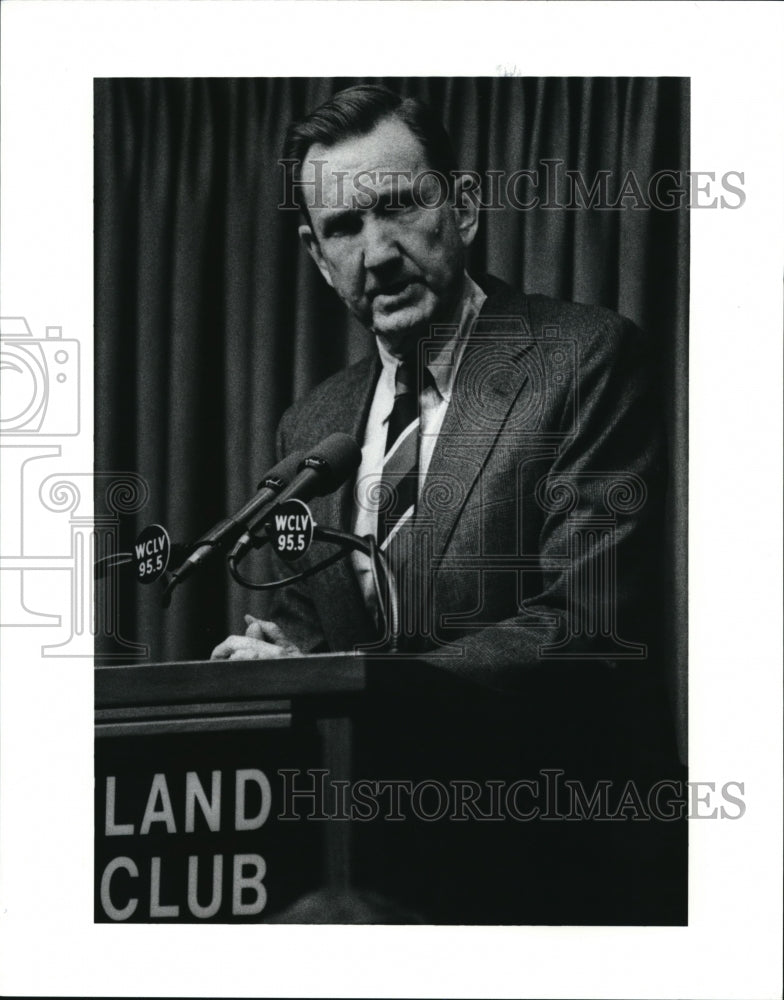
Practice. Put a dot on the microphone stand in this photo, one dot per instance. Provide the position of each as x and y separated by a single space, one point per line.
383 578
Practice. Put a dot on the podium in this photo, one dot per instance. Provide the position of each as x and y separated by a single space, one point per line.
226 791
190 721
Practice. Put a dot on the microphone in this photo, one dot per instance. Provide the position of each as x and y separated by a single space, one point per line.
330 465
227 531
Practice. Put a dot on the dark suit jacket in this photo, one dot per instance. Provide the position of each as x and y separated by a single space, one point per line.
540 515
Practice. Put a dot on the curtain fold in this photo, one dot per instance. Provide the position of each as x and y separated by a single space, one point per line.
210 319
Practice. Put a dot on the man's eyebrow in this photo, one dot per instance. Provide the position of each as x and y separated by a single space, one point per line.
335 218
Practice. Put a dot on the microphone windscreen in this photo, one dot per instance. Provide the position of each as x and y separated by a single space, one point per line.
338 456
284 471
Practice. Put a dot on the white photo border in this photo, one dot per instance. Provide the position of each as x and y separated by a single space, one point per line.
51 52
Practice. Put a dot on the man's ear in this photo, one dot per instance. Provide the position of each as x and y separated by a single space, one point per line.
313 247
466 207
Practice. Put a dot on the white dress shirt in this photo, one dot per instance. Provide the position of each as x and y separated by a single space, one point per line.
434 401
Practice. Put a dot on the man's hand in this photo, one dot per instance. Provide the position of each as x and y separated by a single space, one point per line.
262 641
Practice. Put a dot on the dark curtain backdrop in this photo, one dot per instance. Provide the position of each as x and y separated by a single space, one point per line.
210 320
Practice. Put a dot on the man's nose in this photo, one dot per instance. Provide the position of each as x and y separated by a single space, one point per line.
380 245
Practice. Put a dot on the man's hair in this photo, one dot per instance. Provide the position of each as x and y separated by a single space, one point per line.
355 112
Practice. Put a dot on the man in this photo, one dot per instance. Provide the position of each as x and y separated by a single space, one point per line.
538 470
518 498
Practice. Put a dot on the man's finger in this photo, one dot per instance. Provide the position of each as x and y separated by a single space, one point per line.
255 629
244 647
268 652
224 649
258 628
274 633
247 646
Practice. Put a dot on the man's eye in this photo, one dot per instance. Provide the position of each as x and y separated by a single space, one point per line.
401 201
347 226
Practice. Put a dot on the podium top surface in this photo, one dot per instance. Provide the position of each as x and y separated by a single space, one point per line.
213 680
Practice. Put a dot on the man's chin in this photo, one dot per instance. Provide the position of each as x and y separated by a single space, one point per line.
402 325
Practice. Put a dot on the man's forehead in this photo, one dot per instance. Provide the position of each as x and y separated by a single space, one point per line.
389 154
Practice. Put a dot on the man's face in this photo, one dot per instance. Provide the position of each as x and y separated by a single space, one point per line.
396 263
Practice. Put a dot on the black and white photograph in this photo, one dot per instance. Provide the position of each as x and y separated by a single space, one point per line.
464 302
386 440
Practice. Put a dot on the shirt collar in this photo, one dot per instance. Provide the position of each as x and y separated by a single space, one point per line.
443 363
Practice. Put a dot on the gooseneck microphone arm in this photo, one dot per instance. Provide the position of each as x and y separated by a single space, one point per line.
227 531
335 459
332 462
383 578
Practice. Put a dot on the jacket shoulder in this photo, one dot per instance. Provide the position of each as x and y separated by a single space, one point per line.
576 315
327 407
596 331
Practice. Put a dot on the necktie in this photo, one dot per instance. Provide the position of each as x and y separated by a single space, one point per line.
400 473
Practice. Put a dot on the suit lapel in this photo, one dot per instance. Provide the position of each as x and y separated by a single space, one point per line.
486 386
346 411
348 414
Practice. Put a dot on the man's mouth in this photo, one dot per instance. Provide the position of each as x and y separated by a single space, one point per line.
394 293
